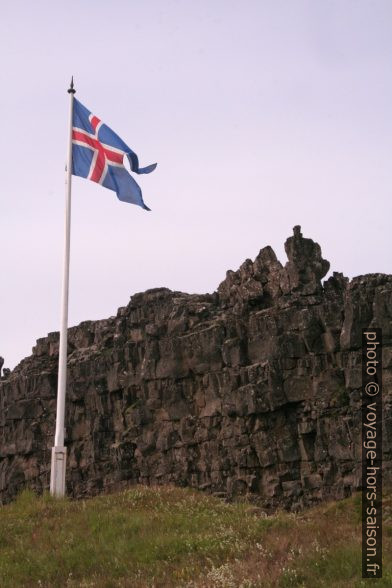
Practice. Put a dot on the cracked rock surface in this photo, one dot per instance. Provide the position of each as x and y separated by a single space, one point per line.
253 389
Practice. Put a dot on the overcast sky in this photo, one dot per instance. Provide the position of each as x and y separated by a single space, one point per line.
261 114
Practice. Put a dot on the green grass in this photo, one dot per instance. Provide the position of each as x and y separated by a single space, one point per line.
169 537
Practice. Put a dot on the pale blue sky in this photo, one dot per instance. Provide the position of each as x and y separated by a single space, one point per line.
260 114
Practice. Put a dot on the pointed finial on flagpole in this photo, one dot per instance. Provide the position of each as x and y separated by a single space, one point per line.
71 89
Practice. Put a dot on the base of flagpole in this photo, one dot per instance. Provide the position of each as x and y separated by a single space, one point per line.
57 472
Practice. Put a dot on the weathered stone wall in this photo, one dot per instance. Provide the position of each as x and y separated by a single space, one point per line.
255 388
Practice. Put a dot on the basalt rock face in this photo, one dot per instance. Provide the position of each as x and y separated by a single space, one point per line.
253 389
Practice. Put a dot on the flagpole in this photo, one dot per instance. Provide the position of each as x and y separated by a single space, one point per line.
59 452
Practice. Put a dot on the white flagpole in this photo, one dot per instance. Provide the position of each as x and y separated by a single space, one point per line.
59 452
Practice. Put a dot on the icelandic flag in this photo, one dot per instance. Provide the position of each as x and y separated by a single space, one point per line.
98 155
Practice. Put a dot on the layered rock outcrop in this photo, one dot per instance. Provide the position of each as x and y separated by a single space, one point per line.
253 389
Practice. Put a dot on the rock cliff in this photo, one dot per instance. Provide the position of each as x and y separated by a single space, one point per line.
253 389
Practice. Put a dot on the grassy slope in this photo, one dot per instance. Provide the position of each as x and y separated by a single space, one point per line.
166 536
